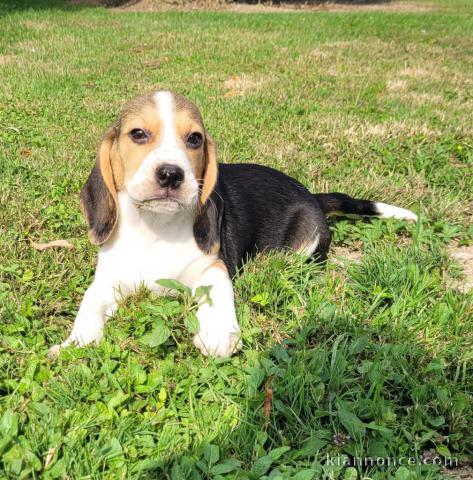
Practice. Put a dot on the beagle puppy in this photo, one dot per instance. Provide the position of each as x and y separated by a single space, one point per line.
160 207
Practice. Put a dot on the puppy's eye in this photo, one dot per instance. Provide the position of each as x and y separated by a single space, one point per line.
138 135
194 140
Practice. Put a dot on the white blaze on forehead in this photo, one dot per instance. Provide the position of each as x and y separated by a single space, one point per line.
166 111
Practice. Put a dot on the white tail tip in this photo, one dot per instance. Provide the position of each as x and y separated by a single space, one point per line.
390 211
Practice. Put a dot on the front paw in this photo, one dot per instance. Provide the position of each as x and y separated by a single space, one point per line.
217 337
80 337
217 344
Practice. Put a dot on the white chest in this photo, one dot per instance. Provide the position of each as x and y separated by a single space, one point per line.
149 247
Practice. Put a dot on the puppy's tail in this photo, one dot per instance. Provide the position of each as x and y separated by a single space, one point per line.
339 204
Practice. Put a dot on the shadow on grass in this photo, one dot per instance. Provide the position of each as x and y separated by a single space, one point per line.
334 393
7 6
11 6
322 416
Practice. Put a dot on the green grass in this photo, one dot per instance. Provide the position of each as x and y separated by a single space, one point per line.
374 104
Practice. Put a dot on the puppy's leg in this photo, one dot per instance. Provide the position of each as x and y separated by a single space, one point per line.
219 333
99 302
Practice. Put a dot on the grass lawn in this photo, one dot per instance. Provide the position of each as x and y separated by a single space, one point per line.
368 357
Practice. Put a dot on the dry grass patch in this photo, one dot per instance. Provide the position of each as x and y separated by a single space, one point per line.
362 131
464 472
242 85
428 78
7 59
464 256
417 72
396 85
37 25
393 7
419 99
344 256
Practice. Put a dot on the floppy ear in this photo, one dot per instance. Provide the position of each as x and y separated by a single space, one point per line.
208 224
98 196
210 169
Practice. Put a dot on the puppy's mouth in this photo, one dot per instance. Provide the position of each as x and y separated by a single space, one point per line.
161 198
163 195
163 202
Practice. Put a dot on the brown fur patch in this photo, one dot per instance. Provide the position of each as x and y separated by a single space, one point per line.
219 264
211 169
215 248
133 155
204 161
181 103
135 106
188 120
139 113
106 151
99 201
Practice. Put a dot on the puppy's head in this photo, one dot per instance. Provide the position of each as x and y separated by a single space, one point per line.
159 153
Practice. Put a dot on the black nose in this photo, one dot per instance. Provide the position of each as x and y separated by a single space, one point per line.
170 176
